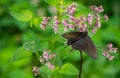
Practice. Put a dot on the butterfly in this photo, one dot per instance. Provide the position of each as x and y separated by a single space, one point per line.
82 42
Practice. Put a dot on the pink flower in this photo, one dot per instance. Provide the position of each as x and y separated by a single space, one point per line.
100 9
94 30
105 17
89 19
115 50
111 58
73 19
66 28
110 45
106 54
45 54
97 9
42 60
51 56
44 22
56 22
65 23
71 8
82 28
92 7
98 24
71 26
36 70
51 66
97 17
82 19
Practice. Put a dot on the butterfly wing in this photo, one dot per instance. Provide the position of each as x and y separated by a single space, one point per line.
73 35
86 45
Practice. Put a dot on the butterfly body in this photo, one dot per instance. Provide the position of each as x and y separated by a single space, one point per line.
81 41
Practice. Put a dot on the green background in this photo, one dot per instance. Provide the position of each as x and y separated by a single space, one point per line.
14 33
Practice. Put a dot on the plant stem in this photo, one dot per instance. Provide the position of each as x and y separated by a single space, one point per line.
81 62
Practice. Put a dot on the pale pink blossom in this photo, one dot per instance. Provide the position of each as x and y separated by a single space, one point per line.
42 60
83 19
82 28
100 9
97 9
56 22
110 49
51 66
110 45
73 19
71 8
111 58
105 17
36 70
98 24
97 17
89 19
94 30
45 55
44 22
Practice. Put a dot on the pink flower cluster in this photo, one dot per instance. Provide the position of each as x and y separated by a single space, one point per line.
44 22
110 49
44 59
56 22
96 10
81 24
36 70
71 9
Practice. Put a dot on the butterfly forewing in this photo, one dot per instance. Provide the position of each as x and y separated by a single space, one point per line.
80 41
73 35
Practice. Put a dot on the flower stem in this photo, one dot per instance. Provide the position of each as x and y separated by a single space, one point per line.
81 62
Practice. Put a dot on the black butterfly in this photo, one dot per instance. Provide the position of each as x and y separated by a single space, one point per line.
81 41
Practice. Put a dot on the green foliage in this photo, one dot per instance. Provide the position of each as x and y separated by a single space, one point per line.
35 46
46 70
22 15
69 69
20 54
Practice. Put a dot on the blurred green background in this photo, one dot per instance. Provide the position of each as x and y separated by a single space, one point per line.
14 33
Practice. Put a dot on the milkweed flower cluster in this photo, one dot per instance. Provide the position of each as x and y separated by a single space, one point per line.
110 49
46 57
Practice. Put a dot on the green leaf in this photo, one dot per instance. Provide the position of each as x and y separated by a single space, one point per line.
20 54
45 69
23 15
35 46
69 69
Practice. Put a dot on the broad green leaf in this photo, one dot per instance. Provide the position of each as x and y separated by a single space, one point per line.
69 69
20 54
35 46
23 15
45 69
